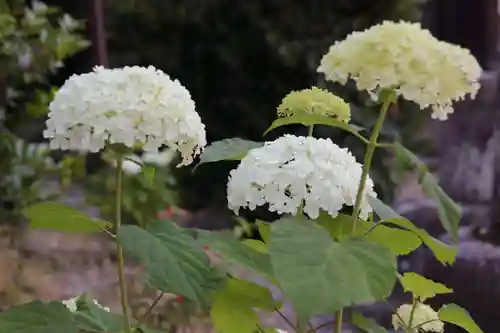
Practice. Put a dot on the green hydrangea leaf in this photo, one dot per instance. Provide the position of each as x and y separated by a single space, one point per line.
454 314
313 119
422 287
443 252
307 262
174 261
367 325
233 149
237 253
38 317
54 216
233 307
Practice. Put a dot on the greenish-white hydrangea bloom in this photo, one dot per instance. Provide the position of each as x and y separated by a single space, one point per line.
314 101
408 59
424 318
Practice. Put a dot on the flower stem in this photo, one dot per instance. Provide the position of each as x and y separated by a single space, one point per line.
368 158
338 322
119 250
310 130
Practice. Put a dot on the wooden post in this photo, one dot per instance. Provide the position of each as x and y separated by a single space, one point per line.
471 24
97 32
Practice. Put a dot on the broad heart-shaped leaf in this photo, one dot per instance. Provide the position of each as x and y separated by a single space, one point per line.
237 253
54 216
174 261
38 317
368 325
449 212
399 241
319 275
422 287
314 119
454 314
232 310
443 252
233 149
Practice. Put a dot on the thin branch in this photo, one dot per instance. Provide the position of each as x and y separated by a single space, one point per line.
260 328
330 323
110 234
425 323
151 307
286 319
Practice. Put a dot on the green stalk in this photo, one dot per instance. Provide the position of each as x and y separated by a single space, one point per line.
368 159
338 321
310 130
366 169
119 250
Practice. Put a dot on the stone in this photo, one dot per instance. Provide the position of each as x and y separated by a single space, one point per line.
475 279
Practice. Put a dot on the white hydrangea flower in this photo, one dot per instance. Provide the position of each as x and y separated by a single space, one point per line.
424 318
133 106
292 171
407 58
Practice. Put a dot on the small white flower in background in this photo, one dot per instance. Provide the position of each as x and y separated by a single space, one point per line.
67 22
39 7
25 58
130 167
407 58
424 318
71 304
134 106
314 101
293 170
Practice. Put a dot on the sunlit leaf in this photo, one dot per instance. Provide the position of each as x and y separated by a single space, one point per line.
422 287
367 325
314 119
443 252
454 314
233 307
54 216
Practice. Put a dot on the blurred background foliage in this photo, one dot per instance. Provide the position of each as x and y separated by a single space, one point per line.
238 60
35 39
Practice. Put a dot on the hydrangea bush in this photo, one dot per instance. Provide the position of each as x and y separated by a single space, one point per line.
336 244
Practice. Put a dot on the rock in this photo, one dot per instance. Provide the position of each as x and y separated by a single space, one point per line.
474 277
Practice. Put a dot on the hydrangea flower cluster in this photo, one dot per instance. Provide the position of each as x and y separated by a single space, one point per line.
424 318
294 171
404 57
314 101
133 106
